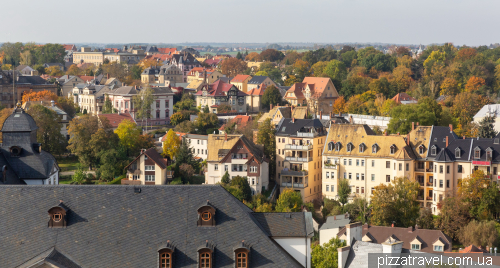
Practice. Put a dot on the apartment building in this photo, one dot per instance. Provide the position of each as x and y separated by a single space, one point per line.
241 82
90 97
166 75
86 55
222 93
198 144
200 74
355 153
317 93
185 62
238 156
299 147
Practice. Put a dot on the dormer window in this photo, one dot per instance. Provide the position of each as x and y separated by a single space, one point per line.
241 255
166 255
338 145
349 147
330 146
477 153
489 154
393 149
433 150
415 246
374 148
206 213
421 149
205 255
457 152
15 151
57 216
496 141
362 148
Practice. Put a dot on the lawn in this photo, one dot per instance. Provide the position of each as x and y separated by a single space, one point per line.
65 179
68 163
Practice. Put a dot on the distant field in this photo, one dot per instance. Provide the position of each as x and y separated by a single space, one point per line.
234 53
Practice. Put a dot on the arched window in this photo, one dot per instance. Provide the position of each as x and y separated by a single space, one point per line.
349 147
393 149
166 255
205 260
362 148
337 146
165 260
242 260
457 152
433 150
374 148
421 149
330 146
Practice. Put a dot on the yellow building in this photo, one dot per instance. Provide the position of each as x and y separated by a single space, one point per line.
299 146
241 82
86 55
317 93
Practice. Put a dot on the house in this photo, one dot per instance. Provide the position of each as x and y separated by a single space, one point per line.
197 143
403 98
256 81
489 110
276 113
254 97
90 97
165 75
70 48
298 146
68 82
116 119
221 93
149 168
241 82
196 85
332 226
239 121
213 62
365 239
185 62
22 85
161 108
192 226
63 116
200 74
238 156
22 159
317 93
26 70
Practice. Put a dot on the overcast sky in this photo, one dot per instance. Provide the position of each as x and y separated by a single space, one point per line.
470 22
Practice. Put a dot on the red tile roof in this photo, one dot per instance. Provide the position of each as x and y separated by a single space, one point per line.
240 120
319 84
68 47
219 88
112 49
297 89
403 97
212 62
472 249
116 119
258 91
86 78
240 78
168 50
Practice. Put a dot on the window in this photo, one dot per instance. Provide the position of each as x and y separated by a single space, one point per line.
57 217
440 183
148 167
150 178
205 260
459 169
415 246
421 149
345 175
407 167
330 146
489 154
333 175
357 162
400 167
216 167
374 149
165 260
457 153
350 175
433 150
362 176
373 177
357 189
447 183
438 248
327 175
362 190
349 147
333 188
441 169
477 153
447 169
373 190
387 178
362 148
241 260
357 176
337 146
345 162
393 149
387 164
373 163
362 163
350 162
226 167
327 188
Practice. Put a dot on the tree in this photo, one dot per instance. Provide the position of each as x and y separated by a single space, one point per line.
73 70
486 127
301 69
185 155
449 87
233 66
11 53
224 108
27 58
136 71
344 191
39 68
225 179
387 107
242 184
266 137
115 69
326 255
466 105
171 144
185 127
206 109
128 132
425 219
358 210
396 203
453 215
67 105
271 55
80 130
49 129
239 56
254 56
289 201
403 115
112 163
186 172
480 194
54 71
261 73
474 84
177 118
480 234
108 106
148 63
336 70
318 68
44 95
272 96
80 177
143 102
348 58
51 53
205 122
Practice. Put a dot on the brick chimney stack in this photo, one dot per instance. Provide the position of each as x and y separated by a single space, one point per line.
320 114
270 107
225 136
412 125
446 141
451 128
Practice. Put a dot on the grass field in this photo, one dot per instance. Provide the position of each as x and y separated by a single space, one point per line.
68 163
65 179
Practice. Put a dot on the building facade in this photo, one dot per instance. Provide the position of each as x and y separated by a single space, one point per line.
166 75
241 82
317 93
299 145
222 93
149 168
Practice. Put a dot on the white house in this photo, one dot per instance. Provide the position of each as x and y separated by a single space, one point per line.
489 110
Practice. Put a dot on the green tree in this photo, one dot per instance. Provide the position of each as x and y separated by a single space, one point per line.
486 127
344 191
171 144
51 53
67 105
206 109
336 70
242 184
108 106
112 163
143 102
289 201
128 132
326 255
480 194
481 234
425 219
225 179
177 118
261 73
266 137
49 129
12 52
272 96
136 71
239 56
205 122
80 177
224 108
185 127
185 155
396 202
453 215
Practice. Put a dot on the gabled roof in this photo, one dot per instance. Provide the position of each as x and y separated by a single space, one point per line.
257 80
219 147
473 249
445 156
125 90
285 224
240 78
258 91
240 120
320 85
289 127
336 221
116 119
299 113
403 97
136 224
297 90
219 89
167 50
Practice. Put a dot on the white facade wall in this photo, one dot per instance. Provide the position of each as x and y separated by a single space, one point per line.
327 234
298 247
213 176
198 146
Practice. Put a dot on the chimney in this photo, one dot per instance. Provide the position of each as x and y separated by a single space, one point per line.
392 225
398 133
446 141
107 76
385 133
342 257
270 106
464 137
408 139
392 245
365 226
417 124
410 229
135 87
353 232
351 120
335 217
451 128
293 119
225 136
320 114
412 125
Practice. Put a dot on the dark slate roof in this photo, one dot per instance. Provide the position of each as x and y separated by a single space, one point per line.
151 71
125 90
112 226
34 80
19 121
51 256
336 221
484 144
288 127
438 139
285 224
12 177
444 156
256 152
257 80
186 60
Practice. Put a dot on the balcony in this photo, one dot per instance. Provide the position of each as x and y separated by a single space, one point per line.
429 170
421 183
429 198
429 184
305 134
170 174
419 169
294 173
293 185
298 159
420 198
298 147
330 166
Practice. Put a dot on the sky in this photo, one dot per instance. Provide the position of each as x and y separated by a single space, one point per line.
462 22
